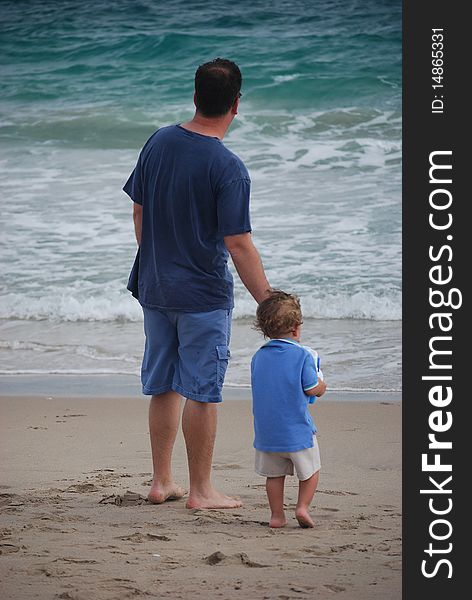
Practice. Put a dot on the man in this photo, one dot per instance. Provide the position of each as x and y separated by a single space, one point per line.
191 207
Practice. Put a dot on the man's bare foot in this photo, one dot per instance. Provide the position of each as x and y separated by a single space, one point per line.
160 493
303 518
277 522
213 499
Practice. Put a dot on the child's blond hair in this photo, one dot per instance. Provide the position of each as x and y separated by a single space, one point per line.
278 314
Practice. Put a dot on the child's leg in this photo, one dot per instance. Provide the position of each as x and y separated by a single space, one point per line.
306 491
275 493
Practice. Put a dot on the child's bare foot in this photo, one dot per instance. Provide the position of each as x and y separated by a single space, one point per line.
160 493
303 518
213 499
277 521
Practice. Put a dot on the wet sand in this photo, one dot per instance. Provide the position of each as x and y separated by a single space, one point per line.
75 523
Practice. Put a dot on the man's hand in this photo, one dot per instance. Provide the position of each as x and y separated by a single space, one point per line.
248 264
138 221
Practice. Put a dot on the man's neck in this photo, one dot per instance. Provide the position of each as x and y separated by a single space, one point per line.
212 127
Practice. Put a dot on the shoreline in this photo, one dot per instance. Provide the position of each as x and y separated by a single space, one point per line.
76 525
128 386
355 354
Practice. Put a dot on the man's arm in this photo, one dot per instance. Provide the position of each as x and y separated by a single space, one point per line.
248 264
138 221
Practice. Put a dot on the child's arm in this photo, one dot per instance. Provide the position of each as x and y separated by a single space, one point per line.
318 390
312 374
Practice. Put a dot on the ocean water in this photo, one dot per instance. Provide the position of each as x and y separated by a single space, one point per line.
84 84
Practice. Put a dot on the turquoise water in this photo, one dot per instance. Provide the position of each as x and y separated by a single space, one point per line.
83 84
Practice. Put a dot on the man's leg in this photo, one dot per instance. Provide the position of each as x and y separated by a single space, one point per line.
199 428
164 418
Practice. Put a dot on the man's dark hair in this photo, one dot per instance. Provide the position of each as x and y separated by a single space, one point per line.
217 85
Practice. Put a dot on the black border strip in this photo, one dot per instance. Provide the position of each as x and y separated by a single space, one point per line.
435 257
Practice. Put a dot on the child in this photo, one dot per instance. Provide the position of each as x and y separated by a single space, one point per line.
285 378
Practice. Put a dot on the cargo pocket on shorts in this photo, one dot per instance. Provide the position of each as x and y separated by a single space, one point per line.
222 359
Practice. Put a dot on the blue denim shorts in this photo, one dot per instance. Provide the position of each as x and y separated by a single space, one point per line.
186 352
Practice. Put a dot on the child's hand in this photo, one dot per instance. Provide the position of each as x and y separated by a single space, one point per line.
318 390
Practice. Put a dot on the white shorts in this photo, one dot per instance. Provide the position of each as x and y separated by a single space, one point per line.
277 464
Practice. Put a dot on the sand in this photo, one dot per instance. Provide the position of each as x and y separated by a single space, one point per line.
75 524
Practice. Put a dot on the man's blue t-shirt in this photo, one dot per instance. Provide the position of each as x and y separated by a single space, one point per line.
280 372
194 191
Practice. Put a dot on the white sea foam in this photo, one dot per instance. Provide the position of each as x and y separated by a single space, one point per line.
360 305
121 307
326 223
284 78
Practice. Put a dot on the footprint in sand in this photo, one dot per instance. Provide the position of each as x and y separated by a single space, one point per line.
143 537
316 550
342 548
334 588
127 499
6 548
383 547
10 501
82 488
220 518
75 561
5 532
104 471
239 558
5 499
301 589
212 519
